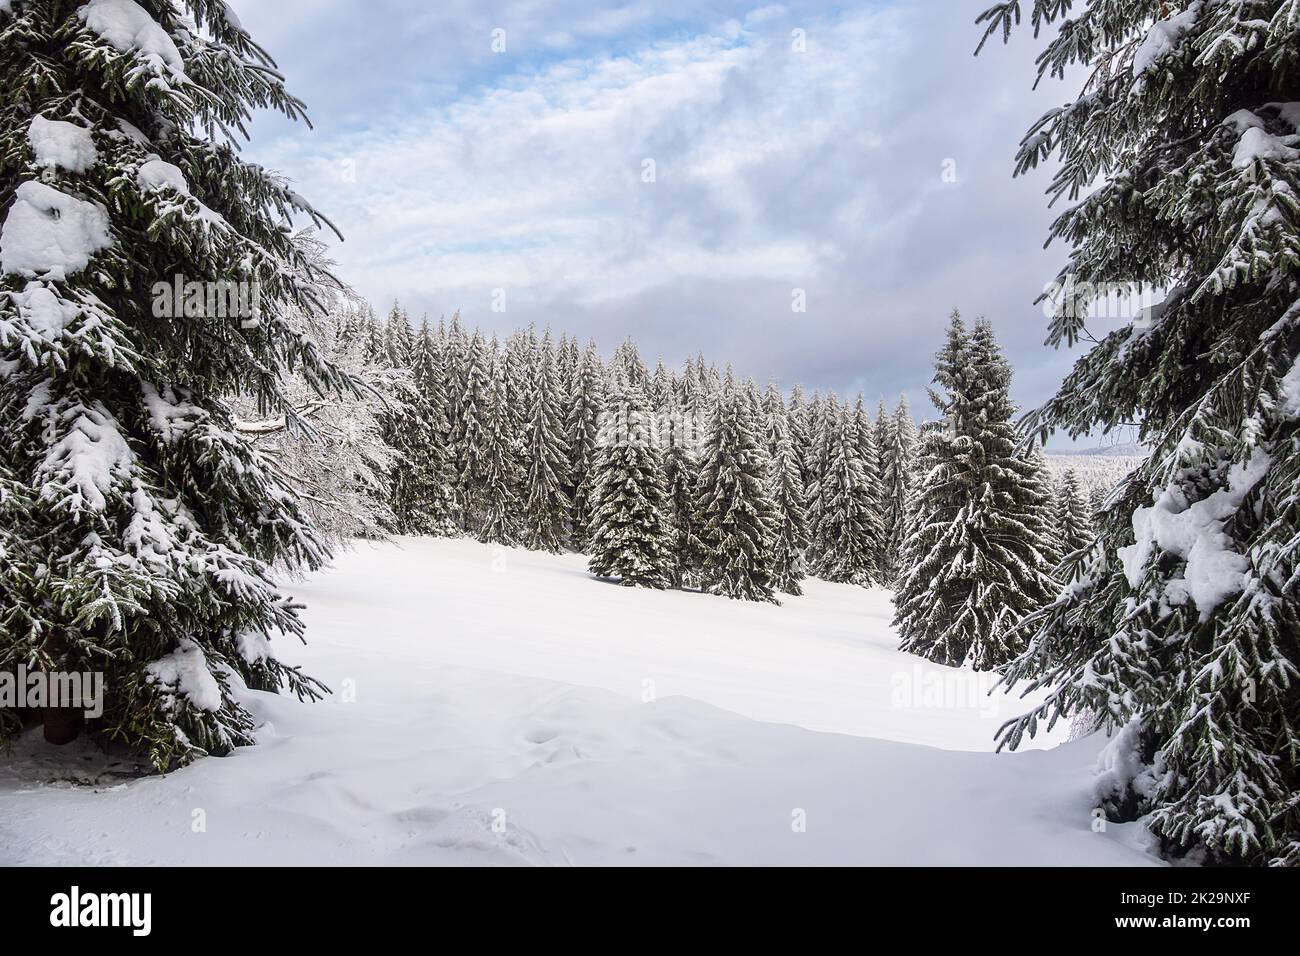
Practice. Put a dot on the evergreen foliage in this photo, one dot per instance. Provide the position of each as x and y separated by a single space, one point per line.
734 504
896 482
790 531
546 506
847 532
152 524
974 559
630 533
1181 163
1073 515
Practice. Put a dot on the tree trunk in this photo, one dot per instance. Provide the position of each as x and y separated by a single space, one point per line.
62 724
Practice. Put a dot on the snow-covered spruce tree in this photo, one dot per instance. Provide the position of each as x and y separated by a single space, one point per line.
456 365
693 392
519 365
1097 495
822 424
470 426
398 338
568 361
790 522
546 459
871 458
582 426
712 379
627 362
1073 514
681 436
1183 630
661 390
709 385
410 427
934 587
373 333
498 456
338 465
155 523
896 482
882 440
431 508
1018 505
798 422
1044 487
734 503
630 532
848 531
973 559
881 437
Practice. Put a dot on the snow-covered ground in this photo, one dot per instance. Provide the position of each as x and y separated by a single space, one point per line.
499 706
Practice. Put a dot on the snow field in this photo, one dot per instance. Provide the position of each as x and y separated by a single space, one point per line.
491 706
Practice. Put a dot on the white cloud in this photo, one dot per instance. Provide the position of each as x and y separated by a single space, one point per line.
774 169
538 181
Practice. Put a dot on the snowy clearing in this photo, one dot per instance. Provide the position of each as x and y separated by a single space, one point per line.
498 717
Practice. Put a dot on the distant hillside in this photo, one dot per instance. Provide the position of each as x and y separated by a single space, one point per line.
1097 466
1126 450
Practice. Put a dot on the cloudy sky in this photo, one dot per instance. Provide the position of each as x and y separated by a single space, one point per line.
676 170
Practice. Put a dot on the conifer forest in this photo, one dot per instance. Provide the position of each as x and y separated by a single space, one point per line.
612 434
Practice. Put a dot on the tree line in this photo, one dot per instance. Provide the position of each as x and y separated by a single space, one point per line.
695 478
